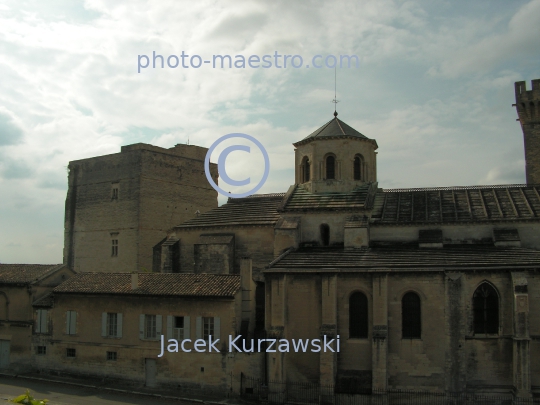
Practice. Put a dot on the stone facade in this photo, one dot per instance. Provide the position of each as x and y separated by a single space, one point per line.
20 287
432 289
119 206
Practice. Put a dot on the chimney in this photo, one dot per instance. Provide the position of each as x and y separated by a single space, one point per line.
134 280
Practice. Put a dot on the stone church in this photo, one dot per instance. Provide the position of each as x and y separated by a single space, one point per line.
427 288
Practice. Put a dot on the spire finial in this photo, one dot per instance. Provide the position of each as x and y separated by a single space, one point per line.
335 100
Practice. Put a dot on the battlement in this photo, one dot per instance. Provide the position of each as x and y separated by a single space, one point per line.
522 94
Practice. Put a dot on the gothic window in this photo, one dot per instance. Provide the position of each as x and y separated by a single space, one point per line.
305 173
411 316
325 234
330 167
486 310
358 316
358 165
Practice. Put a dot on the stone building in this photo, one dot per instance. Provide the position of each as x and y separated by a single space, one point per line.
118 206
427 288
110 325
21 285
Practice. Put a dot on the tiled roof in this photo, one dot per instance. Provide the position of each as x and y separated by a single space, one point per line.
465 257
301 199
45 301
333 128
457 204
253 210
23 273
162 284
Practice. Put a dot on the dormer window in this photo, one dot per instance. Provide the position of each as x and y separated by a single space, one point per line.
330 167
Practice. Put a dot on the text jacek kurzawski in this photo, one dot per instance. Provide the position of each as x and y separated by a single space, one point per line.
251 345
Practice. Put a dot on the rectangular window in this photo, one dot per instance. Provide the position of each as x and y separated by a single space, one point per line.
114 247
208 327
150 331
41 350
114 191
178 330
71 322
112 324
42 322
112 356
70 352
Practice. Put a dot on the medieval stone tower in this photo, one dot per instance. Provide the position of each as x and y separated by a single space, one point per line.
528 110
119 206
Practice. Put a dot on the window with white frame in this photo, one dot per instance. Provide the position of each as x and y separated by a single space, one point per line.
111 325
178 330
178 327
208 327
71 322
150 326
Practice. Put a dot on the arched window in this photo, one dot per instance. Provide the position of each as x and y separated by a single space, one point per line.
411 316
330 167
358 316
305 174
486 309
532 109
358 165
325 234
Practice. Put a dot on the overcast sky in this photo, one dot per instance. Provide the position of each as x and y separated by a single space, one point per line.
434 87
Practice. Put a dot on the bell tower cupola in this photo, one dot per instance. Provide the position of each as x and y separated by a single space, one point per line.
335 158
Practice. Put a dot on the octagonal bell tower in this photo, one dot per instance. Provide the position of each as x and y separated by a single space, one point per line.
335 158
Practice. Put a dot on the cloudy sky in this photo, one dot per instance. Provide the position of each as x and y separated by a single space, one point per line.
434 86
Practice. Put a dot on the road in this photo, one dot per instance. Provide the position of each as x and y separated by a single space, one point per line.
60 394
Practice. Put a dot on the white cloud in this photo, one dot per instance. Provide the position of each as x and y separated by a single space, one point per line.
71 90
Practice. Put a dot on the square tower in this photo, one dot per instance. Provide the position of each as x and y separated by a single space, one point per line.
528 109
119 206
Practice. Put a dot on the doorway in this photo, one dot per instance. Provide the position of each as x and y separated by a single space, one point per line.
150 370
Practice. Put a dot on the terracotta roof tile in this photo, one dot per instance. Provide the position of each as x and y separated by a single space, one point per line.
163 284
23 273
45 301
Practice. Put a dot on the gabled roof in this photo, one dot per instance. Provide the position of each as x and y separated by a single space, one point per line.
458 257
335 128
161 284
457 204
46 301
301 199
24 273
258 209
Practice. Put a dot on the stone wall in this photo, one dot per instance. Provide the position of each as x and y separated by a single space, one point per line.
157 189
